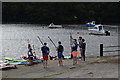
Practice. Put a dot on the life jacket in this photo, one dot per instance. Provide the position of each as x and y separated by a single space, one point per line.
75 47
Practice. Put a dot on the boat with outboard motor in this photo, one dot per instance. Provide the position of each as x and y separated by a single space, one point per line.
98 30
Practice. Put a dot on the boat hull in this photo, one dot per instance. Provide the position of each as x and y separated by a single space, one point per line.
89 25
97 33
55 26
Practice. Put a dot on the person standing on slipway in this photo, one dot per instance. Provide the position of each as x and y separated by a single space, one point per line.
45 52
80 42
83 48
74 47
60 50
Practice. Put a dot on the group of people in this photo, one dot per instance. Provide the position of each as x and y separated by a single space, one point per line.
74 51
60 49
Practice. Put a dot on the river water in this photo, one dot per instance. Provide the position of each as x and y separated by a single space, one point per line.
14 39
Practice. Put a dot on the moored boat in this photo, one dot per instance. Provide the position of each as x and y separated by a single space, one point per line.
98 30
90 24
55 26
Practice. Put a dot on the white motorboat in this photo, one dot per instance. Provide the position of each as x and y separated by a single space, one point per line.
55 26
90 24
98 30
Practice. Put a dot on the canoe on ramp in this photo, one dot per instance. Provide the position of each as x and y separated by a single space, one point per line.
26 62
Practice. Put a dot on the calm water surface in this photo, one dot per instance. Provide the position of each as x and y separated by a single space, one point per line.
15 37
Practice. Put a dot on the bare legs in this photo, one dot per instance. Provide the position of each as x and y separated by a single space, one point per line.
83 55
74 60
45 63
60 62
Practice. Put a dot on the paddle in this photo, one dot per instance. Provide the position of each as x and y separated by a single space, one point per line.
28 44
34 52
71 44
34 49
52 42
40 40
28 41
71 38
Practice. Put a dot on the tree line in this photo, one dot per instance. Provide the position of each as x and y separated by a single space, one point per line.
60 12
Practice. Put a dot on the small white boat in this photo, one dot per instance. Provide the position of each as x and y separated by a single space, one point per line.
90 24
98 30
55 26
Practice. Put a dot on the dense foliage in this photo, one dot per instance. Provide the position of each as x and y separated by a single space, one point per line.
60 12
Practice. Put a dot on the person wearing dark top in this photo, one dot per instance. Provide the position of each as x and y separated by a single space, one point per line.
74 47
80 42
60 50
45 53
30 55
83 47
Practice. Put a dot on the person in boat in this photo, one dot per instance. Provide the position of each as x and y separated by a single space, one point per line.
45 52
30 55
60 50
83 48
74 47
80 42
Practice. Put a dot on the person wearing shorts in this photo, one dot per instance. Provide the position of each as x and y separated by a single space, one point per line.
60 50
74 47
74 53
45 57
45 53
30 55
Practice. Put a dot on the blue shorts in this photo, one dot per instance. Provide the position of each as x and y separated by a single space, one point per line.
59 55
44 53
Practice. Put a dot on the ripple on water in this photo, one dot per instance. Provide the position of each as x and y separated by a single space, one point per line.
14 39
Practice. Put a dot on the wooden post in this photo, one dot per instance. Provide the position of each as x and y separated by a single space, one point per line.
101 49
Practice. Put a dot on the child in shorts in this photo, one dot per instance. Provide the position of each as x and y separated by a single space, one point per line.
74 51
45 53
60 50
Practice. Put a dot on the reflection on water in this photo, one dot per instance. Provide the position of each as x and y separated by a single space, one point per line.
14 39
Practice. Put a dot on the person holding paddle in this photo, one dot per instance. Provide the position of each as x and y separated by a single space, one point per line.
30 55
45 52
60 50
74 47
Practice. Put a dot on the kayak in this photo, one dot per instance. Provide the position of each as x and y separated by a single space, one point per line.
4 64
8 66
26 62
14 60
24 57
67 57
